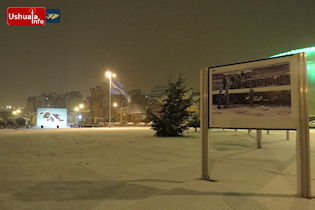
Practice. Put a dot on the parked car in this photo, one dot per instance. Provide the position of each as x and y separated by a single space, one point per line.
150 123
141 124
312 124
130 124
116 124
2 124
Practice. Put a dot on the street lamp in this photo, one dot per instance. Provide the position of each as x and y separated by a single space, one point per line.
15 112
110 75
79 115
121 106
77 119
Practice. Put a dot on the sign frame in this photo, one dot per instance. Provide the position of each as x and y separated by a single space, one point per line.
52 118
299 117
264 100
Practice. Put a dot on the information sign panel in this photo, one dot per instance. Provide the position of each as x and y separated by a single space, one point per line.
258 94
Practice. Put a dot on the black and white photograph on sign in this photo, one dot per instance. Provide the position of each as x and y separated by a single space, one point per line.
252 103
256 94
266 76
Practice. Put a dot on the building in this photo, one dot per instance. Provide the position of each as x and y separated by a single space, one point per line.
131 113
97 104
158 92
154 106
138 97
194 109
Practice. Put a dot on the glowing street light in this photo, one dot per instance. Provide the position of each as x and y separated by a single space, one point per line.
121 106
79 115
16 112
109 75
115 105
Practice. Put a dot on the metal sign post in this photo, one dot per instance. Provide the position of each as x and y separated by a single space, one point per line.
283 80
258 138
302 135
204 77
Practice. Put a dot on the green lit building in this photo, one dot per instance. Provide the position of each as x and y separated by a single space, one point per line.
310 53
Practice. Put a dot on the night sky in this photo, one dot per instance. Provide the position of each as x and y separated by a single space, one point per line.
144 42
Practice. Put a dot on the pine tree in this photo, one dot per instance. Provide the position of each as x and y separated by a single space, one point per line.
174 111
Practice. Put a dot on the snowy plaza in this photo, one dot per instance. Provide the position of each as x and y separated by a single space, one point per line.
130 168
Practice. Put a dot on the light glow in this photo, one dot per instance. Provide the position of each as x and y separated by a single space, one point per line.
291 52
310 53
108 74
310 65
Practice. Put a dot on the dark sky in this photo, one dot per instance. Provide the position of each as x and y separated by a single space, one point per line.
144 42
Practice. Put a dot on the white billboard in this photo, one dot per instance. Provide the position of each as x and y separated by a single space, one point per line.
258 94
51 118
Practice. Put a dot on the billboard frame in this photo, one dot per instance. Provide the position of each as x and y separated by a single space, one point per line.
300 115
52 118
262 98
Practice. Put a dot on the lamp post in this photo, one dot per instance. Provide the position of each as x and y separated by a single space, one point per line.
79 116
16 112
115 105
121 106
77 119
110 75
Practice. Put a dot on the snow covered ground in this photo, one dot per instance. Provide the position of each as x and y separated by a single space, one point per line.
129 168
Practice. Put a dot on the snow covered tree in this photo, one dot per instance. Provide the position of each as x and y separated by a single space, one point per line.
174 111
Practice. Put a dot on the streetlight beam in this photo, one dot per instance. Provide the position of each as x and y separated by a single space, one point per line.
110 75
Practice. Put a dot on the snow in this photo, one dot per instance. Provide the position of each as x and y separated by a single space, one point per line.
130 168
256 110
